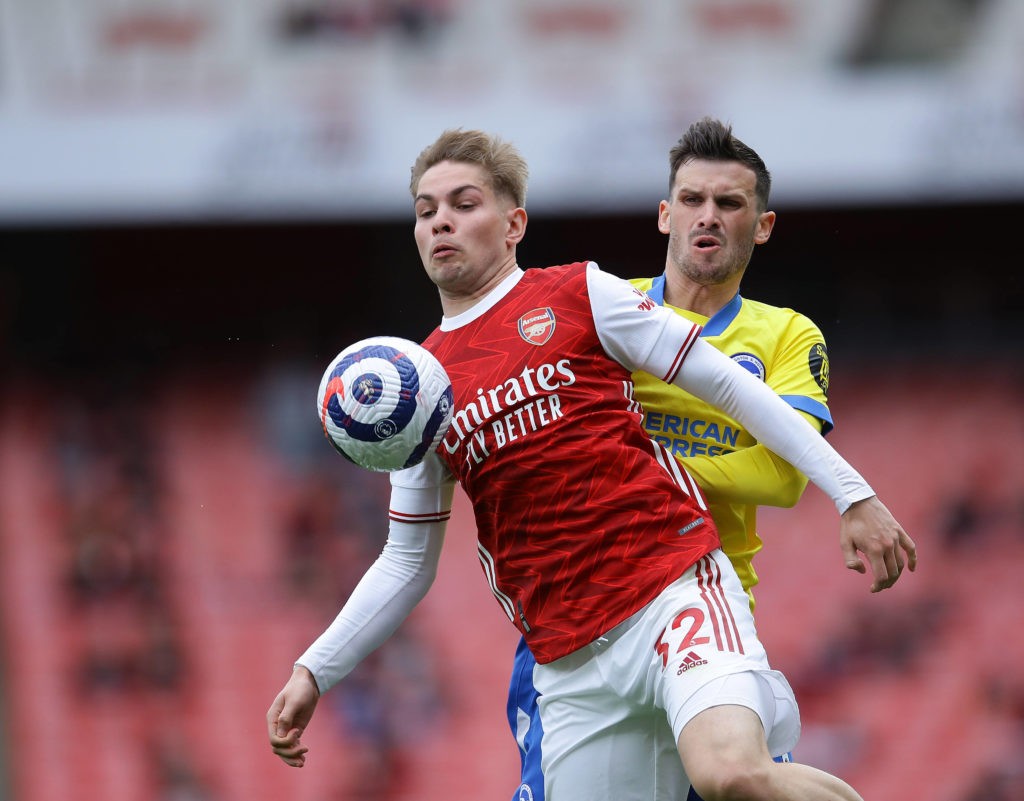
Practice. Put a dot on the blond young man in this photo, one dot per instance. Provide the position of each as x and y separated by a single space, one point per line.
596 544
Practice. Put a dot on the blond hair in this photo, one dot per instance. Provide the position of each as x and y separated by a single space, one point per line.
505 168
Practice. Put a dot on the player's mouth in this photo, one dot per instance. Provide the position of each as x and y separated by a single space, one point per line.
443 250
705 242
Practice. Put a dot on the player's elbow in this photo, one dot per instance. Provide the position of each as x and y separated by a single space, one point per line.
791 490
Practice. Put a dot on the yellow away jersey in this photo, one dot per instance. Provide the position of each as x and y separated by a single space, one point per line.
784 349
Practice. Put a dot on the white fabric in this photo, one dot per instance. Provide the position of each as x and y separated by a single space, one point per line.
396 582
636 338
711 375
384 597
590 700
423 490
649 340
484 304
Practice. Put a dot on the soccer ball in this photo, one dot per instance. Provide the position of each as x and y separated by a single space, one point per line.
384 403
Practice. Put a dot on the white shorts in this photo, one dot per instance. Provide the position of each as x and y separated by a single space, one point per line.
613 710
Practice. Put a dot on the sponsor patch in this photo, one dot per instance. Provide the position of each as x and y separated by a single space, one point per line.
537 326
817 360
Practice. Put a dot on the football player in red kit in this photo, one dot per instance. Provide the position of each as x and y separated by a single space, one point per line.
595 542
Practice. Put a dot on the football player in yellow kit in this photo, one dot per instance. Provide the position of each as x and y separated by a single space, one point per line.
715 214
785 350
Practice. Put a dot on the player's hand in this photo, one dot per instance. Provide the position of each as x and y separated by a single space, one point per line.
289 715
868 528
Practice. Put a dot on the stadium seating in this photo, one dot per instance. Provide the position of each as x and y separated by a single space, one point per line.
917 715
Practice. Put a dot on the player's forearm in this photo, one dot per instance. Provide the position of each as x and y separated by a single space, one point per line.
754 476
714 377
384 597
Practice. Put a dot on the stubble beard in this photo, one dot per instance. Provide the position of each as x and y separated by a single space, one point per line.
719 269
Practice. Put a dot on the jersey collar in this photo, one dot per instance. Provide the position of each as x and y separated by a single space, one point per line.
485 303
717 323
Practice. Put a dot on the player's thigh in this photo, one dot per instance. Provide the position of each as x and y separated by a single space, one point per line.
598 743
633 760
736 726
708 653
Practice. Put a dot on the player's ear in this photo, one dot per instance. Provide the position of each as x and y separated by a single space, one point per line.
664 221
765 223
516 219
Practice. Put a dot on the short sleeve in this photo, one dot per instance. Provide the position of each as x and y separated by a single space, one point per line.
636 331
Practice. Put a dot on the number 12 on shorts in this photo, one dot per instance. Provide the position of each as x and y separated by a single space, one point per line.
680 637
685 639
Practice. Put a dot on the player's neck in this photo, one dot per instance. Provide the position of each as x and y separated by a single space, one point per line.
705 300
461 298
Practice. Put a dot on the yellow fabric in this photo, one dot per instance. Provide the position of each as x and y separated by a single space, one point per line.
736 474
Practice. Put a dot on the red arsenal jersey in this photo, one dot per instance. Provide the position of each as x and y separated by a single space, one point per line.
582 518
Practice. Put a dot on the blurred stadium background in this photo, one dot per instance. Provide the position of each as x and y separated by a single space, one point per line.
202 201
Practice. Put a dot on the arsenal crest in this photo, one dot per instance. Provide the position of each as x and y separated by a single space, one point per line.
537 326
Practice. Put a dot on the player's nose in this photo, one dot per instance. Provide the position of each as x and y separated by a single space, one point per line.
442 222
707 216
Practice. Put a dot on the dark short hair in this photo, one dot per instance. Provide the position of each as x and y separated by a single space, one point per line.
712 140
506 169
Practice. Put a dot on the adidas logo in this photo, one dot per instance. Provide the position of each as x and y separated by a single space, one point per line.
691 660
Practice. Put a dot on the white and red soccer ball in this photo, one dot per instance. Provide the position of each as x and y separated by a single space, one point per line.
385 403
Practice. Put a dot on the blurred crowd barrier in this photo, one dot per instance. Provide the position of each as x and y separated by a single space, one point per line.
167 553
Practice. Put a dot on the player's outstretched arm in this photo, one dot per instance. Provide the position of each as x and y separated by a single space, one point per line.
868 528
289 715
753 476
